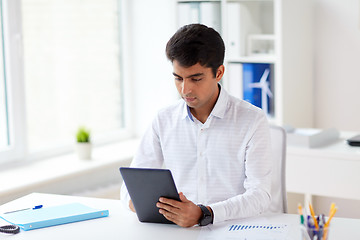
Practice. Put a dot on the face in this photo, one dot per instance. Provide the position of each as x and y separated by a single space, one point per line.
197 85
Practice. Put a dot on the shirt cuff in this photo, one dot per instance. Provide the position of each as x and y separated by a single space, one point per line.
219 213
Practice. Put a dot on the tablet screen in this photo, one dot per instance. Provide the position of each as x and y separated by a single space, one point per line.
145 187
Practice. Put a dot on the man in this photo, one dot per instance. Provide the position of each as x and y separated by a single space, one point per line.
217 146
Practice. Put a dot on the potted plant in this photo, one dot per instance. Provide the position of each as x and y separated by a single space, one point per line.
83 145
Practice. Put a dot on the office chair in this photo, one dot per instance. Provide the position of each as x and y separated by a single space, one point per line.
278 182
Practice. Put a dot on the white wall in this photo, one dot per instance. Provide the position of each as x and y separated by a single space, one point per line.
337 78
152 25
336 61
337 64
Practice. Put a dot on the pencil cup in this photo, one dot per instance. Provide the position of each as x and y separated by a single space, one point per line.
311 233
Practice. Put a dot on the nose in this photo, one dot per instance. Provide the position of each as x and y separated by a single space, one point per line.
186 87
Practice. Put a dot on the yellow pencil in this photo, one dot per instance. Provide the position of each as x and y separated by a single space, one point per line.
300 209
333 210
301 214
332 206
325 234
331 216
313 217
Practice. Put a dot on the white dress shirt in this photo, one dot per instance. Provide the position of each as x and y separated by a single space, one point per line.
224 163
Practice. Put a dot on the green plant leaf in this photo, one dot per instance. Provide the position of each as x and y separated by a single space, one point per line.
83 135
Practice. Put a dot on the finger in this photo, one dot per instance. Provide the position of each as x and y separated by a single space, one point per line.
168 208
176 219
131 206
183 197
170 202
168 216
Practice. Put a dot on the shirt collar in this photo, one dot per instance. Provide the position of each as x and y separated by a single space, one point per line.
186 112
218 110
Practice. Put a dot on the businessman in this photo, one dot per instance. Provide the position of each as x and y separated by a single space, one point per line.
217 146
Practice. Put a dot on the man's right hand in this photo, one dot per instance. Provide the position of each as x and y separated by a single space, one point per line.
131 206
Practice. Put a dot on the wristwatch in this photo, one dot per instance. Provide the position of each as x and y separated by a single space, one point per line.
206 217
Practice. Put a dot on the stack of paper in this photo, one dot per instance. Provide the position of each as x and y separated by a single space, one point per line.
310 137
244 232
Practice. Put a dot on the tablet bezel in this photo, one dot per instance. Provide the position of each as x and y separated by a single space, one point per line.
145 187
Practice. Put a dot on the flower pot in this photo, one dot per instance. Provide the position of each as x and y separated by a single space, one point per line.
83 150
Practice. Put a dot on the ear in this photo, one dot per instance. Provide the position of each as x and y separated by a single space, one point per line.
220 73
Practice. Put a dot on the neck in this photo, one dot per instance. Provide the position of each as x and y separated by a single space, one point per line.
200 115
203 113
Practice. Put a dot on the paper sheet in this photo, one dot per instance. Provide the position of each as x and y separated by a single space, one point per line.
259 229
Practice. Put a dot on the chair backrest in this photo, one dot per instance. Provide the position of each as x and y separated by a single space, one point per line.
278 182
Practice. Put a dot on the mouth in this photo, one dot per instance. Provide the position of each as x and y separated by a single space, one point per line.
189 99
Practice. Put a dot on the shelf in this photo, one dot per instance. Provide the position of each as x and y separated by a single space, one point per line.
253 59
66 174
264 32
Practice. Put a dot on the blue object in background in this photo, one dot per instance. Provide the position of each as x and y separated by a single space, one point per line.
256 85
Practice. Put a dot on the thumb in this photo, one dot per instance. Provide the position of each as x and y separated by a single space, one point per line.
182 197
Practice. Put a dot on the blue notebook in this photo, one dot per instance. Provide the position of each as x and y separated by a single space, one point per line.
51 216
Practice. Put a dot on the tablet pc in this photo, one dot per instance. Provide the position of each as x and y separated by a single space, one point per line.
145 187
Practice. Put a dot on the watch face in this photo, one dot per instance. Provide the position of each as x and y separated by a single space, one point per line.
205 220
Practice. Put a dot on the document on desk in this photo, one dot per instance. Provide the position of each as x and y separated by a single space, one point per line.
244 230
29 219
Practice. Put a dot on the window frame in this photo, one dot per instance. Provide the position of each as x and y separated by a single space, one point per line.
15 82
14 78
4 133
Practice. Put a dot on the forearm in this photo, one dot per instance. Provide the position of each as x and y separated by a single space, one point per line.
246 205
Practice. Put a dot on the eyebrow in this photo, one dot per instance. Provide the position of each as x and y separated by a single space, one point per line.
190 76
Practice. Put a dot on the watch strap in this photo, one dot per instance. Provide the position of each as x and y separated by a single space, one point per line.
207 216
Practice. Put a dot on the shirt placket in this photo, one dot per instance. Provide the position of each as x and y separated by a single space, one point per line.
202 162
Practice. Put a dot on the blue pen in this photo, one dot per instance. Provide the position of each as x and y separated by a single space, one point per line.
311 227
36 207
321 226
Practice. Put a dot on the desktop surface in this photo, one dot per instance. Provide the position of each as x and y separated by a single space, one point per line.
123 224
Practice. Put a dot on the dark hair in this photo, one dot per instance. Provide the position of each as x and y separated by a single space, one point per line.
196 43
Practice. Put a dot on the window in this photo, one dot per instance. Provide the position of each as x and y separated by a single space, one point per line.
4 129
72 75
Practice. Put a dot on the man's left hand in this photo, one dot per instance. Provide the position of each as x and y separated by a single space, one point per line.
183 213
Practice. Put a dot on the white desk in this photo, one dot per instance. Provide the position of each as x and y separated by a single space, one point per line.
122 224
331 171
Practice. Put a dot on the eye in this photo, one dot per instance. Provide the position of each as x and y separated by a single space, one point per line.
196 79
178 79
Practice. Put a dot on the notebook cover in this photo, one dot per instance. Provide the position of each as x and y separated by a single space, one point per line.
51 216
